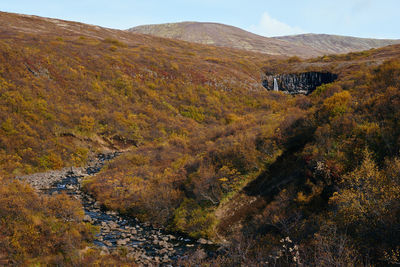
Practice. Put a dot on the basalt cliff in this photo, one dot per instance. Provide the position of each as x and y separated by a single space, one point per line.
297 83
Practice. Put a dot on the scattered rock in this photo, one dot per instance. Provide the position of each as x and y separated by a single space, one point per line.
122 242
87 218
140 239
202 241
104 251
163 251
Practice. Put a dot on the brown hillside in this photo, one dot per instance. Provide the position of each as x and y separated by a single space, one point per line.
274 178
63 80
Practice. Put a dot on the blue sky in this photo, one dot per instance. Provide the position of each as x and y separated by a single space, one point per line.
362 18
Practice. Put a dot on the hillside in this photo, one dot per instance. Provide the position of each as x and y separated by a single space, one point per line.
293 181
69 91
304 45
207 151
57 74
336 44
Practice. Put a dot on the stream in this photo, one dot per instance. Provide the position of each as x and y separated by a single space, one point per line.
144 244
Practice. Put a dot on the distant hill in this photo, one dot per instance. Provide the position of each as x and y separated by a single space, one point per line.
227 36
336 44
304 45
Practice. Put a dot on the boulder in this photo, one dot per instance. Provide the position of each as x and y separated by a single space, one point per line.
202 241
104 251
121 242
87 218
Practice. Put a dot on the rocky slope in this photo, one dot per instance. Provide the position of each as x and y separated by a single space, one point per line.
304 45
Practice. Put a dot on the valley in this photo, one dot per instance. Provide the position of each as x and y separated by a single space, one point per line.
121 149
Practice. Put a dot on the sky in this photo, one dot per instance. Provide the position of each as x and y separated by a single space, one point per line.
361 18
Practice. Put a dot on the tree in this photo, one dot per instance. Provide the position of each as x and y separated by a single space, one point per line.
368 205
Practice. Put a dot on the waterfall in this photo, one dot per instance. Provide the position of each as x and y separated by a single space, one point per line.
276 88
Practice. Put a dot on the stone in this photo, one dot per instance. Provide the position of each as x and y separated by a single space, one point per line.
132 256
121 242
165 258
163 244
202 241
109 212
104 251
87 218
144 257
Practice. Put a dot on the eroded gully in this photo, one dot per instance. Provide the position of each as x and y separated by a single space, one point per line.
144 244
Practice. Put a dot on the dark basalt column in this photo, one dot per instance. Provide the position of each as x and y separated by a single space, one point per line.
298 83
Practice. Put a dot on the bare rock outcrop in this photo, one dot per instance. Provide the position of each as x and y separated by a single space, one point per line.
297 83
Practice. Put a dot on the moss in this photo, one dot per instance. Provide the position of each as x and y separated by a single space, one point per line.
194 220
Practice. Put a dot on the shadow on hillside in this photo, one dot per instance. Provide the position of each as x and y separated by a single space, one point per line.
288 167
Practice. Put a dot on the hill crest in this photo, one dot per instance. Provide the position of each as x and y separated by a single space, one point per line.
303 45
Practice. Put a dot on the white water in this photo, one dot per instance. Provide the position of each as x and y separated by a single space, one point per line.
276 88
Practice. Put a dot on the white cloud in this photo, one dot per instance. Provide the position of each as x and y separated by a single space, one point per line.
268 26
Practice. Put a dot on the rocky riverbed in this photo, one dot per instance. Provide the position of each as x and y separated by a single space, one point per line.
143 243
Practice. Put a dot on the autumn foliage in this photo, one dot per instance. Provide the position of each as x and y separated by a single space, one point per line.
35 229
207 151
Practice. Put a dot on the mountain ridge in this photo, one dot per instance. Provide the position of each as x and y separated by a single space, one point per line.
303 45
226 36
337 44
